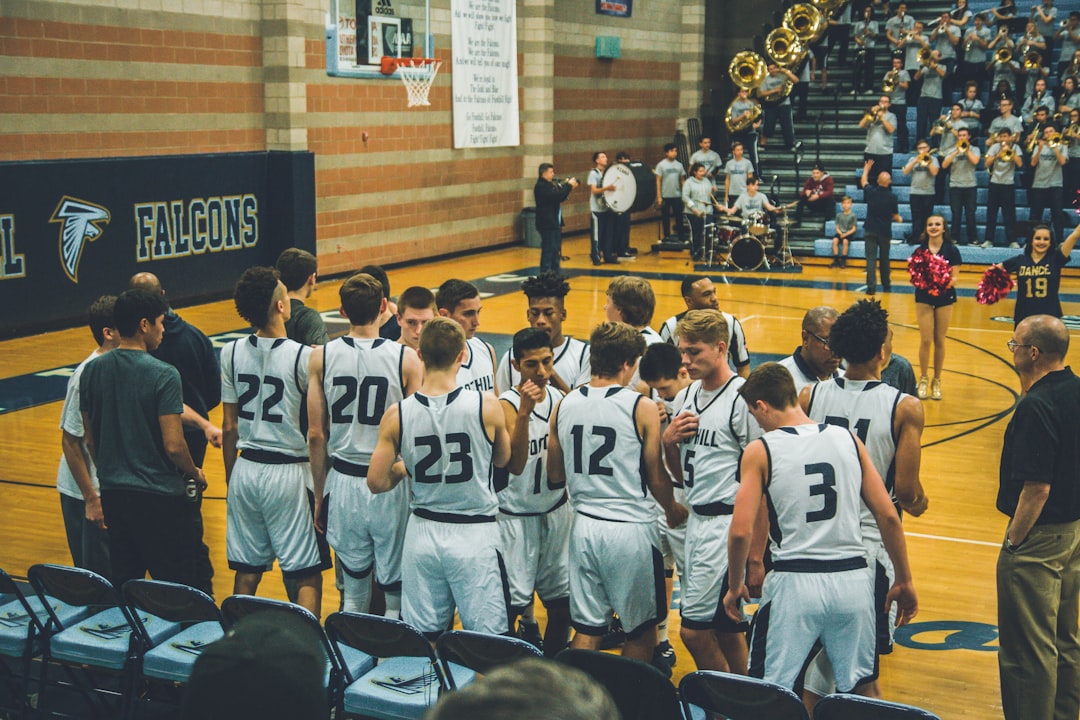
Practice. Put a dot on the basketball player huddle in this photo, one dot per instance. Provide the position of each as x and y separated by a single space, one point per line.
583 474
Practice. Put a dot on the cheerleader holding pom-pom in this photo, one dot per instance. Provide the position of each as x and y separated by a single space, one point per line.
1038 275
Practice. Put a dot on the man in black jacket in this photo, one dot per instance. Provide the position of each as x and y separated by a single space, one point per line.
549 194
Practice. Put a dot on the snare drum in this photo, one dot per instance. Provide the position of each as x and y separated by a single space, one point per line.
727 234
747 253
757 223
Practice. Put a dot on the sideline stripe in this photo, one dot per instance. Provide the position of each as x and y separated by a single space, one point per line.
965 541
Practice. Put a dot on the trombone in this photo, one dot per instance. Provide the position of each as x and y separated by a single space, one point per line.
924 159
962 147
926 57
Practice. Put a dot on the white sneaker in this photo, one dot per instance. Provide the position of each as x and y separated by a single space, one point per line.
923 390
935 389
987 244
1014 245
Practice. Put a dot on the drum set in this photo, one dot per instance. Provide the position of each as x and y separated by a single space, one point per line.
741 242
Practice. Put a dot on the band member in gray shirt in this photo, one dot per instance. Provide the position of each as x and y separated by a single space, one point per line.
879 124
923 169
1046 187
1002 160
962 191
900 80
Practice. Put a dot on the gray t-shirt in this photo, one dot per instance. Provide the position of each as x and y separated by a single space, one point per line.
124 392
1001 172
747 204
879 141
896 26
962 173
305 325
899 95
1007 72
943 44
771 82
670 172
948 140
737 170
911 54
1012 123
1068 44
922 182
596 202
977 53
1045 28
845 221
710 159
867 31
931 86
1047 172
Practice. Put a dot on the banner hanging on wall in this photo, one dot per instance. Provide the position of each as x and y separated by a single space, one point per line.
618 8
484 40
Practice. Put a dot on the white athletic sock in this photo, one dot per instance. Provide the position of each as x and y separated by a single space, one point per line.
357 594
661 630
393 604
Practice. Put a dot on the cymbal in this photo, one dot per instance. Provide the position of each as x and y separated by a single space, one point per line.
729 219
785 222
791 204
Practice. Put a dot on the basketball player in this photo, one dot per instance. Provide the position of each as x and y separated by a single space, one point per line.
813 361
415 307
547 311
699 293
263 380
631 300
534 518
817 478
662 370
605 447
460 301
702 445
449 439
76 478
890 424
351 381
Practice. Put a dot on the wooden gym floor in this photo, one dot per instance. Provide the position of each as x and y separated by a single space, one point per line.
947 663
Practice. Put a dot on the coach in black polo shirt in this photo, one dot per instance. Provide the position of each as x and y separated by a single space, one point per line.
881 211
1038 569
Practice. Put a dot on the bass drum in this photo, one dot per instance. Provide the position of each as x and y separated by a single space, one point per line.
621 198
747 253
635 187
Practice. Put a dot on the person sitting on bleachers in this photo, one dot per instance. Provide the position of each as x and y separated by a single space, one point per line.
817 194
1002 160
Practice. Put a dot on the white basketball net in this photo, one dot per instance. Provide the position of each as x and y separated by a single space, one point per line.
418 78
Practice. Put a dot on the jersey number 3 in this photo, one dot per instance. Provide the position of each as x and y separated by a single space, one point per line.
826 488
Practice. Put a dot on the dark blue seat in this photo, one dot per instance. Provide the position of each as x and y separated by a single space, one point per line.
479 652
738 697
842 706
640 691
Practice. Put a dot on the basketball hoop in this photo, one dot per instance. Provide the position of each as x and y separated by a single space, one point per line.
417 74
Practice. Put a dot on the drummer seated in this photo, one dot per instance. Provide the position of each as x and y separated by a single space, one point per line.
817 195
751 202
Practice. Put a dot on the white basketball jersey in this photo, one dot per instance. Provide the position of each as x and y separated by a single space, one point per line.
447 453
529 492
710 459
814 493
572 363
267 380
867 408
651 338
736 340
477 372
361 378
602 454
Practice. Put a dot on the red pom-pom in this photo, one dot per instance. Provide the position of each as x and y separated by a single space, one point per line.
929 272
995 285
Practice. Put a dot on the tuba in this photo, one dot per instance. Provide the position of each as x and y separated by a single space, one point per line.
747 69
827 6
806 21
784 47
1003 56
744 122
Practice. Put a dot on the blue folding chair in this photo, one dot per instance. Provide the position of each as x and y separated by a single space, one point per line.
738 697
844 706
407 680
640 691
339 666
479 652
101 638
194 611
22 637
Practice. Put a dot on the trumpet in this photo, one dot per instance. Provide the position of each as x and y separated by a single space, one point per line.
924 159
941 126
892 79
1033 139
873 114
